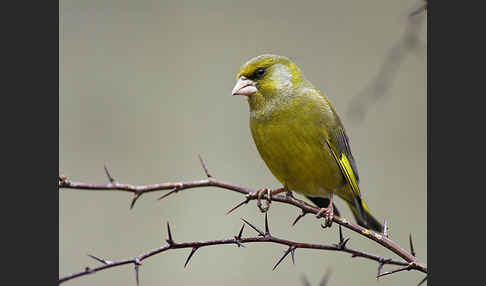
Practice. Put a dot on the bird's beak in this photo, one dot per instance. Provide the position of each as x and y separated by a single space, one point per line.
244 86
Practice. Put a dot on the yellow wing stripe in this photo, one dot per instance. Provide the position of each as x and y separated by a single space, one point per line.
347 170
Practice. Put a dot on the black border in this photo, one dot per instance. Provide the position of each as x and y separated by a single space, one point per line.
455 209
30 133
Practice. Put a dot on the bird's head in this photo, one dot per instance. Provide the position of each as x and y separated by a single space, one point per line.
267 78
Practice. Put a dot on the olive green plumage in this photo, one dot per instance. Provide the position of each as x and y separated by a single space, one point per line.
299 134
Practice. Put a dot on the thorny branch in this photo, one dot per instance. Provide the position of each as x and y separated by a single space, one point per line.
410 261
238 240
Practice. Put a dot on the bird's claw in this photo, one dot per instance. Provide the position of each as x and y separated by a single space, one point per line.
328 214
259 195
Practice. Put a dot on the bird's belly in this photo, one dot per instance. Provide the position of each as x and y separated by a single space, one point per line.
298 157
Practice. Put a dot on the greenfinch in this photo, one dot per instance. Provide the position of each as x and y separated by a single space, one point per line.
300 136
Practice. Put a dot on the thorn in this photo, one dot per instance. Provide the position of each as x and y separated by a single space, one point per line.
135 198
267 230
288 193
301 215
382 263
254 227
241 231
110 178
190 255
238 237
137 264
423 280
204 166
342 242
137 261
282 258
104 261
174 190
412 251
380 267
385 229
238 205
169 240
292 252
396 270
239 243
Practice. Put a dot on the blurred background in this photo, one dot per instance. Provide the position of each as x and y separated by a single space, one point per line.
145 86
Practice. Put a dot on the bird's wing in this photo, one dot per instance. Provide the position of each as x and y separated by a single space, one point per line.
339 144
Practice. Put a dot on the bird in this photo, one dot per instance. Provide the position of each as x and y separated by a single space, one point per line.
300 137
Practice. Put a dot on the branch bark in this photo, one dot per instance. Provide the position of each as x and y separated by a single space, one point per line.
238 240
411 262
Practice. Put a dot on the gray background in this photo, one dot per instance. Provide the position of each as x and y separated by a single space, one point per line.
145 87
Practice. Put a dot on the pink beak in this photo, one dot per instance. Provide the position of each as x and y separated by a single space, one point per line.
244 86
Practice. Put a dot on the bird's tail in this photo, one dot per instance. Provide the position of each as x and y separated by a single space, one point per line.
363 215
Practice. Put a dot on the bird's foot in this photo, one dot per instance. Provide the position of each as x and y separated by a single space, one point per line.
260 193
328 214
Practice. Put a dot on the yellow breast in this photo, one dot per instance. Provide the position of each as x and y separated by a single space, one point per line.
291 141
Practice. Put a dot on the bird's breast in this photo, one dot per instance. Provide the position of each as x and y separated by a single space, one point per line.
291 141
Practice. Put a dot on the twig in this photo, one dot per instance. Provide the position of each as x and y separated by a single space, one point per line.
408 267
237 240
421 7
326 277
378 86
305 282
250 195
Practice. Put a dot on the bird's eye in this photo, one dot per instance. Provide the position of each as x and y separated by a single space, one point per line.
258 74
